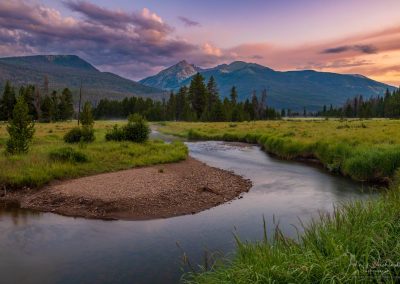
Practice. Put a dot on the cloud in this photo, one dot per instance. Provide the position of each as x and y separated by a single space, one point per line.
128 43
368 49
188 22
361 53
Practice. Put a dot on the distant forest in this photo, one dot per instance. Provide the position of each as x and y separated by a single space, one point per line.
198 102
42 107
358 107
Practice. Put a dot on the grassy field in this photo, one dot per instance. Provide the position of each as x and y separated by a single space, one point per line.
367 150
358 243
49 160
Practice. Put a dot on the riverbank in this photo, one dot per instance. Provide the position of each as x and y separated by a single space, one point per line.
151 192
364 150
357 243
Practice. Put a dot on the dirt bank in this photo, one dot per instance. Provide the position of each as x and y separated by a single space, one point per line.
144 193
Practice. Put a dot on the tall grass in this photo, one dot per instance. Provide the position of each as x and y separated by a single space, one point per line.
358 243
365 151
47 160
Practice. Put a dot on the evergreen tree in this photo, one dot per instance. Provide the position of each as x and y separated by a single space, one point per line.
255 106
212 92
234 96
65 105
7 102
198 94
47 109
172 107
218 113
20 128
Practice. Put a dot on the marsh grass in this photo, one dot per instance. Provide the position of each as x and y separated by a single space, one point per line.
367 150
40 165
357 243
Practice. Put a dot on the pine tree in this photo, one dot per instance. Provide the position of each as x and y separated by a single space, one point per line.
198 94
172 107
218 113
234 96
46 109
8 101
20 128
255 106
65 105
212 92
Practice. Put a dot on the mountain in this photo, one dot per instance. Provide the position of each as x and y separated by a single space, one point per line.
172 77
290 89
69 71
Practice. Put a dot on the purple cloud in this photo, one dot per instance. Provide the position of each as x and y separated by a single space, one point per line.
367 49
136 43
188 22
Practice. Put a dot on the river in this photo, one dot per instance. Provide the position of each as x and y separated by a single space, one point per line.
48 248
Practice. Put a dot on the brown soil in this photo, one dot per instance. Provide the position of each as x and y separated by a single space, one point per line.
158 191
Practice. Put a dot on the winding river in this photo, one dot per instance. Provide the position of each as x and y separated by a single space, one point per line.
48 248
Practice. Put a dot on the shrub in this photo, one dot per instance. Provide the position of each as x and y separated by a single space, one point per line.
68 154
137 130
116 134
77 134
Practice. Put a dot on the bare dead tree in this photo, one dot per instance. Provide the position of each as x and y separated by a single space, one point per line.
79 104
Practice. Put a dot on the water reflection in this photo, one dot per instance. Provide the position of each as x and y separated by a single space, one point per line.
47 248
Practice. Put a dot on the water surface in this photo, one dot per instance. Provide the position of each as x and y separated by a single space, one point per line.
48 248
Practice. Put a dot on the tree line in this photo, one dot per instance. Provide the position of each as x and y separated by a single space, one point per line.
42 106
198 102
387 106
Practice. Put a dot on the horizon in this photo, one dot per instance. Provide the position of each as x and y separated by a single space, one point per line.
137 40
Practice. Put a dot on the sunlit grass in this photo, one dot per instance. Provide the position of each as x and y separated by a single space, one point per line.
37 168
362 149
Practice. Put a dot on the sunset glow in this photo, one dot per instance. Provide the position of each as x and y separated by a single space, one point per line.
138 38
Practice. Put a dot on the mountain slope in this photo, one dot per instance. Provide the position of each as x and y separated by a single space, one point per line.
291 89
172 77
68 71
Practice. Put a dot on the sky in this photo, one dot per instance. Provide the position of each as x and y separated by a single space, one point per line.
138 38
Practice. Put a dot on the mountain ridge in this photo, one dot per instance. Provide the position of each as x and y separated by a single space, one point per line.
286 89
69 71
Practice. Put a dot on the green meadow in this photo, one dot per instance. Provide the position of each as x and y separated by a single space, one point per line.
51 158
365 150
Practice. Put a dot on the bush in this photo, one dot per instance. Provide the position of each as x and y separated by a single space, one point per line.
68 154
77 134
137 130
116 134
